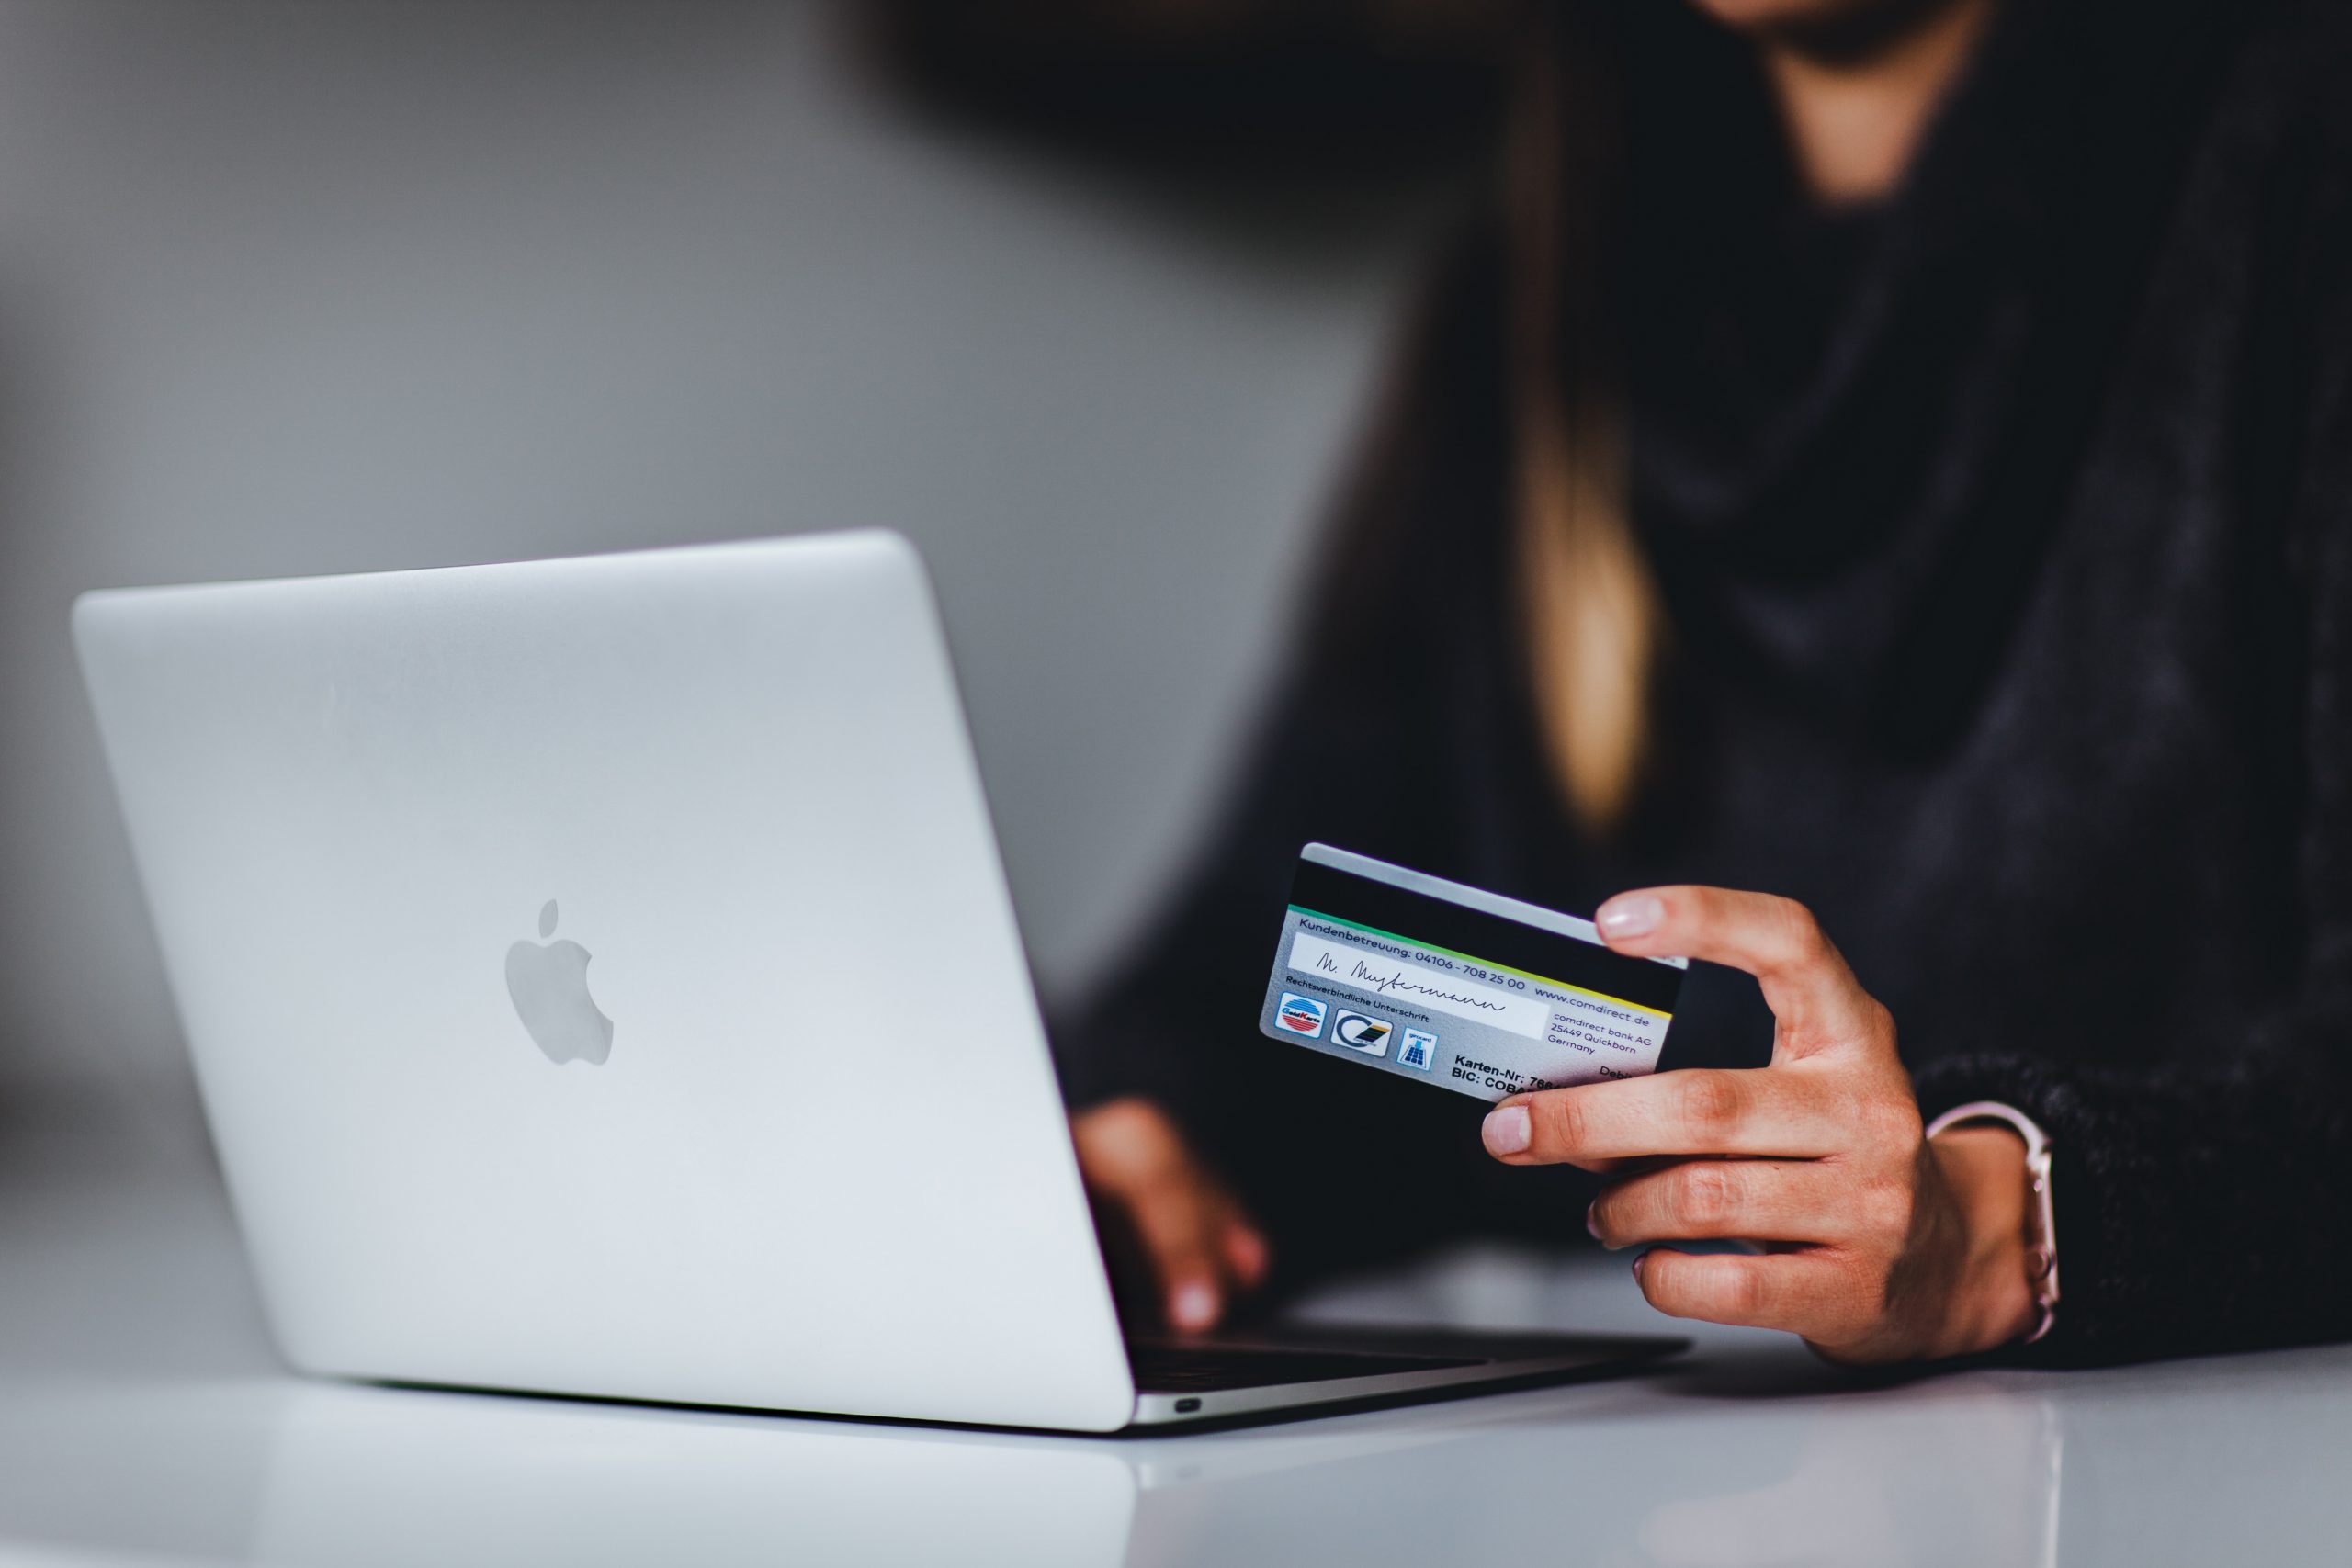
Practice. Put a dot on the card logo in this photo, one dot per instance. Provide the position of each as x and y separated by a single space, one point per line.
1418 1050
548 983
1361 1031
1302 1015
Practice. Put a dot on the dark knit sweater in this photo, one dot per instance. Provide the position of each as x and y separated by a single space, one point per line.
2005 533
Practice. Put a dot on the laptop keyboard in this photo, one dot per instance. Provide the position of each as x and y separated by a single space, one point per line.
1207 1368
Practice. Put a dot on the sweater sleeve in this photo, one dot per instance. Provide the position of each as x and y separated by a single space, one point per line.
2200 1207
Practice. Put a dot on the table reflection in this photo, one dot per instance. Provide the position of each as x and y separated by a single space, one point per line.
365 1476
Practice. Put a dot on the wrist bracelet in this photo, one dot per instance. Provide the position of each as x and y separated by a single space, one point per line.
2042 1244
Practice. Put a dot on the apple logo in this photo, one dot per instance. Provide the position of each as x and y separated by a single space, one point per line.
549 984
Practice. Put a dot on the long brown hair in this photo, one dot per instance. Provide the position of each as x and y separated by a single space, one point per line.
1591 614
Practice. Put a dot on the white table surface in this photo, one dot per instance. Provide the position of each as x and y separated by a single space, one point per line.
143 1418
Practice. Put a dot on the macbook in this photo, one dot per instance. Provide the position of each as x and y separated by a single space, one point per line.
601 981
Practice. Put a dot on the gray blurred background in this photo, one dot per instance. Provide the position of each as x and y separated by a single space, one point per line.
307 287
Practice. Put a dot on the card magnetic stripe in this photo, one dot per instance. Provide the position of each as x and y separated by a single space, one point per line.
1433 922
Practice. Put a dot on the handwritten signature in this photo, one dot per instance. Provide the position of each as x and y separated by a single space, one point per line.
1371 979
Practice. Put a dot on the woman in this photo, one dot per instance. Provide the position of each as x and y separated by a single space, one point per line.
1892 455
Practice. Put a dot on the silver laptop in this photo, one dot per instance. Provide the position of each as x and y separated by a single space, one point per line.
601 981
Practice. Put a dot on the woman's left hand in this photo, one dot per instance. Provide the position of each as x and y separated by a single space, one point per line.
1881 1246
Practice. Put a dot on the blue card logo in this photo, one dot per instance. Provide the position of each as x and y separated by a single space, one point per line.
1417 1050
1301 1015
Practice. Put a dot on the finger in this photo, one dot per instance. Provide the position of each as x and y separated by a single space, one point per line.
1181 1236
1707 1200
1191 1233
1127 1144
1798 1291
1812 992
1696 1110
1247 1255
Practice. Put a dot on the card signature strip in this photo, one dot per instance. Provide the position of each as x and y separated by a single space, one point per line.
1482 963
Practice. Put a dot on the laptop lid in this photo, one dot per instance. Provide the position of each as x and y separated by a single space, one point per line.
601 979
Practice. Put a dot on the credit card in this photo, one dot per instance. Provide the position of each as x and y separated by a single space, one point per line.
1451 985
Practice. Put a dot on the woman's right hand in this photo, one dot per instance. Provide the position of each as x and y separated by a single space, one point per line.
1201 1248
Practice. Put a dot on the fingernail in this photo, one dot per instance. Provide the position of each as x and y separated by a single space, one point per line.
1639 1258
1635 915
1192 1308
1591 1224
1248 1250
1508 1131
